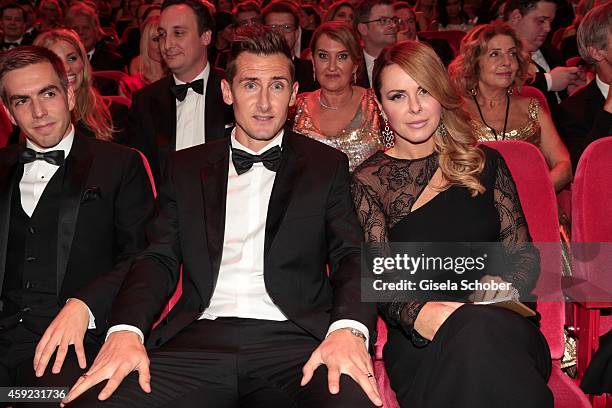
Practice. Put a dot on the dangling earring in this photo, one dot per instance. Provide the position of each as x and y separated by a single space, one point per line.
314 76
388 136
510 89
472 92
442 129
355 77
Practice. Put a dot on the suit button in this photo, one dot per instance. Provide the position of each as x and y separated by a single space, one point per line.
30 259
32 230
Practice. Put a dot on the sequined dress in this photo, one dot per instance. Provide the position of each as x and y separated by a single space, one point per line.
529 132
358 140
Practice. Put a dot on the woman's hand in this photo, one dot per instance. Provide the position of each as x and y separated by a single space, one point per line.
432 316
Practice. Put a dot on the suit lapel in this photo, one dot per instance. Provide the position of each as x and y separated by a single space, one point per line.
9 175
77 164
214 114
164 106
290 169
213 176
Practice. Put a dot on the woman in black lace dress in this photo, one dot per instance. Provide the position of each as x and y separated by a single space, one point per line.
436 185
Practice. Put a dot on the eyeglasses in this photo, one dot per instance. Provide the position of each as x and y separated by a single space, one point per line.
384 21
250 21
287 28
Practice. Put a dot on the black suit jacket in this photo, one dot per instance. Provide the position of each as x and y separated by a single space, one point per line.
152 119
583 120
105 58
554 58
106 201
311 223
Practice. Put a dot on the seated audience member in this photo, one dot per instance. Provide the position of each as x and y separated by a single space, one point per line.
531 19
567 41
377 26
93 114
48 15
74 211
13 22
30 16
437 185
290 334
451 16
245 13
408 31
426 14
340 11
223 5
129 46
340 114
224 32
587 114
84 20
491 63
149 66
186 108
284 16
127 16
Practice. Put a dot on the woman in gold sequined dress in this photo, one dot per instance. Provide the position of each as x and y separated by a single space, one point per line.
491 63
340 114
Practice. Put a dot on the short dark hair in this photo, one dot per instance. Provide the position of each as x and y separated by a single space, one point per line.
21 57
259 40
283 6
244 7
523 6
364 8
14 6
203 10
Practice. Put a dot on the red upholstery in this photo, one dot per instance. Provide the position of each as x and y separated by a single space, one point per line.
6 127
592 223
453 37
531 175
533 92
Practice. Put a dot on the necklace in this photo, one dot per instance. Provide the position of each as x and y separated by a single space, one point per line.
505 118
326 106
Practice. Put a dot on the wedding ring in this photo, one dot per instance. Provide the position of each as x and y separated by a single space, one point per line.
85 375
370 375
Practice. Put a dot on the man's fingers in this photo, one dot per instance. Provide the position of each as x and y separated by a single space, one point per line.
368 385
60 356
85 382
144 378
333 379
45 356
309 369
40 347
80 352
112 384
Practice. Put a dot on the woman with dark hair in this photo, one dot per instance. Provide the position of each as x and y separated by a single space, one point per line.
93 114
340 11
340 114
437 185
491 65
451 15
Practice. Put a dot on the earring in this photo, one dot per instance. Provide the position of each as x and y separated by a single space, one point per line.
388 136
355 77
314 77
510 90
442 129
472 92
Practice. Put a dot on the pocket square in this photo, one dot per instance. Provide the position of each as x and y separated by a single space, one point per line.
90 194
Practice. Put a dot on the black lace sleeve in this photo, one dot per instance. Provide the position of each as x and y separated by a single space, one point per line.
523 258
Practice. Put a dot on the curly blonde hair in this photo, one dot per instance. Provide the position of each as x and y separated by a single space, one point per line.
464 69
90 107
460 160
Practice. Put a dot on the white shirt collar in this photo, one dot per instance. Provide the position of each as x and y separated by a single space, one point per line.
276 141
90 53
65 144
202 75
603 87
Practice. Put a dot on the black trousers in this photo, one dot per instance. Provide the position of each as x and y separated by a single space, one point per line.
232 362
482 356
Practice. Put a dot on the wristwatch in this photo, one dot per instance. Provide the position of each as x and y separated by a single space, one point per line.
358 333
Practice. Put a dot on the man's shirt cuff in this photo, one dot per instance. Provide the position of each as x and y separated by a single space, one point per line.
125 327
548 80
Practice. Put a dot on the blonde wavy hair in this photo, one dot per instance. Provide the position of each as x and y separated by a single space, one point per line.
90 107
460 160
465 70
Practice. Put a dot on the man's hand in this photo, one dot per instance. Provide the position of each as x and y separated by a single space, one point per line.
121 354
490 295
432 316
561 77
343 353
68 328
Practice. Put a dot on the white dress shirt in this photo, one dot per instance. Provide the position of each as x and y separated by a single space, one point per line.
241 290
190 114
539 59
603 87
36 175
369 62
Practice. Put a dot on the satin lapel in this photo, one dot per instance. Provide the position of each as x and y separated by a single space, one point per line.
213 176
291 167
77 164
9 175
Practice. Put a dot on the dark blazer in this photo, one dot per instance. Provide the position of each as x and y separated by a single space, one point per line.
304 75
106 201
583 120
152 119
311 223
554 58
105 58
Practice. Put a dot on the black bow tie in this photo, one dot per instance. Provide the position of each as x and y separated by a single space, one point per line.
55 157
243 161
180 91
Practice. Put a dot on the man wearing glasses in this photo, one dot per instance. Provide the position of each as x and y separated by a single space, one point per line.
284 17
376 23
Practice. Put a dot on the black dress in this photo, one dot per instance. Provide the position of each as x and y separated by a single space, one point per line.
482 356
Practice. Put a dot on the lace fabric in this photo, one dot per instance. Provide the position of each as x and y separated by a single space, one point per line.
384 190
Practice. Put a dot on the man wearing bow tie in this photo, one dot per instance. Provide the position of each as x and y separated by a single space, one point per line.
72 212
254 219
186 108
13 21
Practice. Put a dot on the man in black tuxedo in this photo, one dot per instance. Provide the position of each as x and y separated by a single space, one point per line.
72 213
587 115
284 16
254 220
13 21
186 108
532 20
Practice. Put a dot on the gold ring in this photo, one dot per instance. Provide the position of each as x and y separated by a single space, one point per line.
370 375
